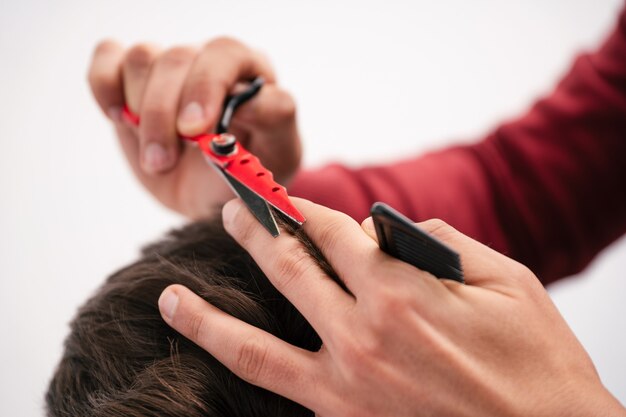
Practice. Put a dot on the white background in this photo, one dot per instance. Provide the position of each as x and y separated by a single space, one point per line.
423 74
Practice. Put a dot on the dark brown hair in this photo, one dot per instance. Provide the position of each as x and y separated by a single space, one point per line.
121 359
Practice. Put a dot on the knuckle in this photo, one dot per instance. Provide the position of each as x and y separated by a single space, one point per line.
101 81
225 42
195 325
251 358
198 86
102 77
330 233
230 49
285 107
106 46
140 56
522 275
266 63
439 230
389 305
155 112
437 227
179 56
292 264
356 357
154 134
155 126
243 227
520 271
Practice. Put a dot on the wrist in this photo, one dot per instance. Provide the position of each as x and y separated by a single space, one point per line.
588 401
607 405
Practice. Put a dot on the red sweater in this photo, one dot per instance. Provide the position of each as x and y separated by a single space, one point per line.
548 189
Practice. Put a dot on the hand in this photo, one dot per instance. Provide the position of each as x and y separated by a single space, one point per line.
405 344
180 92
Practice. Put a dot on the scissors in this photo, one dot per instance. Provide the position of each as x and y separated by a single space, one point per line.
243 171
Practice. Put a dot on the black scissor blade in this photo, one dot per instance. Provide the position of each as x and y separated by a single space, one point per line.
257 205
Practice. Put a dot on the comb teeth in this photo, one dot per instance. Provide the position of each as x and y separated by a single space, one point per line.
400 238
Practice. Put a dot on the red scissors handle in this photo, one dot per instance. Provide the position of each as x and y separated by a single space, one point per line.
241 165
248 170
129 116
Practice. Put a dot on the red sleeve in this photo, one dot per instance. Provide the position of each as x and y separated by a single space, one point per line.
548 189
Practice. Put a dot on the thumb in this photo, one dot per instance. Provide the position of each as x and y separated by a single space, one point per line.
270 120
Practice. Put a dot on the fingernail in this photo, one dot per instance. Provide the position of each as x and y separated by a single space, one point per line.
191 119
229 212
115 113
156 158
168 302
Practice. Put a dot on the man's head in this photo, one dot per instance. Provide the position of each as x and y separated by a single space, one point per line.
121 359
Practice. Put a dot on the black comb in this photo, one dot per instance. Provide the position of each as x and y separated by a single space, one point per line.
400 238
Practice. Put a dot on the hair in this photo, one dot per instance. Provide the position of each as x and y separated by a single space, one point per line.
122 359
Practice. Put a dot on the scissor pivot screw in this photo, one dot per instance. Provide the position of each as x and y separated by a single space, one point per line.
224 144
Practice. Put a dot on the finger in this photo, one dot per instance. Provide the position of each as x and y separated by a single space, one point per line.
272 107
342 241
480 263
271 116
158 140
368 227
105 78
290 267
253 354
482 266
127 137
215 72
357 258
135 71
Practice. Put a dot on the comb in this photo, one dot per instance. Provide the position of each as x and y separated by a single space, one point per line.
401 238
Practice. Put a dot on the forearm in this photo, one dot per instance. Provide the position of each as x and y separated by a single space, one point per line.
548 189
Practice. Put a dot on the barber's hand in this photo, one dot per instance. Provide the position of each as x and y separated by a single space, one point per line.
180 92
406 344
